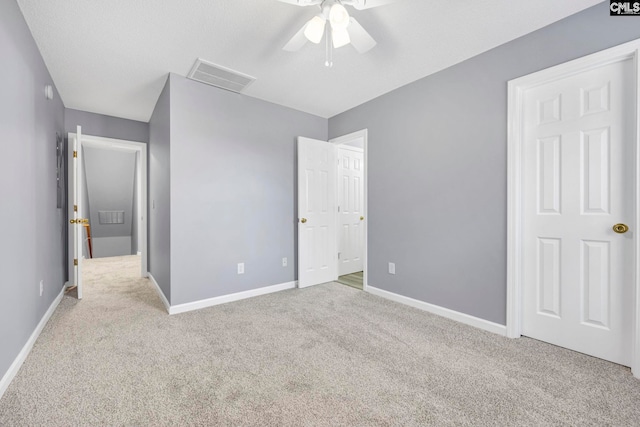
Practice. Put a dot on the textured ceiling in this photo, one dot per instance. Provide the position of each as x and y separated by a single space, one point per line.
112 57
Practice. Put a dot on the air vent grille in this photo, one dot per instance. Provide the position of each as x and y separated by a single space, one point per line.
215 75
111 217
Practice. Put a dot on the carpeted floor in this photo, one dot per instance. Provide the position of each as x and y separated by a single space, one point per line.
319 356
354 280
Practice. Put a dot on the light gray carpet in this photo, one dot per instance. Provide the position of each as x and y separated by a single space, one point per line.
354 280
288 359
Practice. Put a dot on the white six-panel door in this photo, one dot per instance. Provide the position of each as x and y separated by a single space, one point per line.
578 183
350 209
317 250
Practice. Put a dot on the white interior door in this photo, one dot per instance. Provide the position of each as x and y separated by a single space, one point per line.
78 220
350 209
317 250
578 183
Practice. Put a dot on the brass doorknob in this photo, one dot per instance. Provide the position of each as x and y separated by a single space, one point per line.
621 228
303 220
361 218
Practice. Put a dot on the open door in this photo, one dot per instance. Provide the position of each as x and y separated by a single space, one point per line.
77 221
317 251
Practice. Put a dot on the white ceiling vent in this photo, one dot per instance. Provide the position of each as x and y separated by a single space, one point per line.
215 75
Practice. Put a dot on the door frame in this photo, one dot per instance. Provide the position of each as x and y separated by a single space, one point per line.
141 172
515 181
341 140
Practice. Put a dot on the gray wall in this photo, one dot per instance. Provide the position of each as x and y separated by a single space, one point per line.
232 190
438 167
106 126
159 171
31 245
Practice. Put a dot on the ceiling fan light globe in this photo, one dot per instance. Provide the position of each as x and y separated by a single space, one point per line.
315 29
340 38
338 17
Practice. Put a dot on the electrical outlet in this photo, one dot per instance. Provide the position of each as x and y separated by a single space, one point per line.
241 268
284 262
41 287
392 268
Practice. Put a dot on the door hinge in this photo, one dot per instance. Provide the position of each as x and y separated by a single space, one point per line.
338 208
75 208
338 255
75 154
75 261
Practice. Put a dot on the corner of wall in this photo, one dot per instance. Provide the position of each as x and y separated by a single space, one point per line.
159 193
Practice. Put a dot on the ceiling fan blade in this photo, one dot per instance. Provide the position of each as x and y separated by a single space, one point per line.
297 41
301 2
365 4
360 38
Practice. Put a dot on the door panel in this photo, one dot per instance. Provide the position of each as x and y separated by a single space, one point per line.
549 173
549 277
595 175
578 183
316 212
595 283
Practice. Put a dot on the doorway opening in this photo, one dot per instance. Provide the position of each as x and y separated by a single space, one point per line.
107 199
350 179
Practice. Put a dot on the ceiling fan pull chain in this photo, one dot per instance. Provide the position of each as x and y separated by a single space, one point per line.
328 50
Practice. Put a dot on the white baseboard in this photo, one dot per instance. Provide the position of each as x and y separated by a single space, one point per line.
441 311
196 305
22 356
160 293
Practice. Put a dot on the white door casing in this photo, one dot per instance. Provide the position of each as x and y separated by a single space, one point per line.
317 251
573 173
350 209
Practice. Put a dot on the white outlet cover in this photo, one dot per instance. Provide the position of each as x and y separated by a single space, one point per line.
284 262
392 268
241 268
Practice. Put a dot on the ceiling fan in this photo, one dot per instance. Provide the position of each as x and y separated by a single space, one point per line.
342 29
